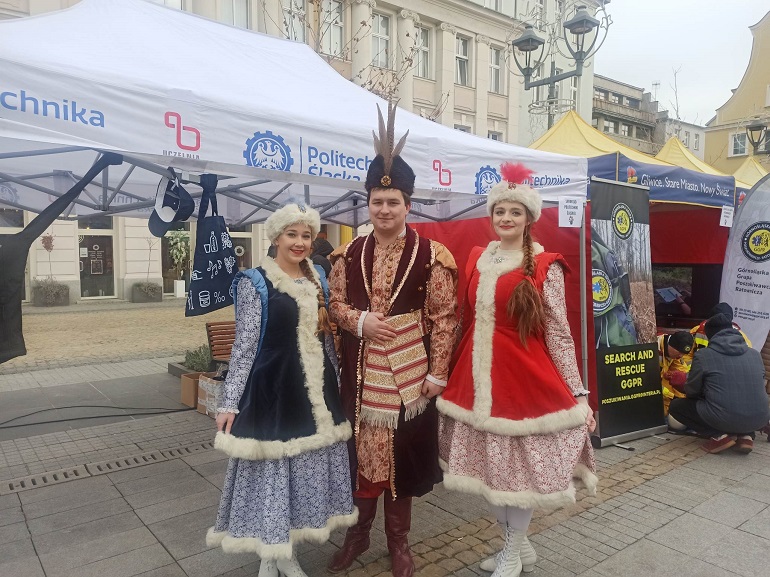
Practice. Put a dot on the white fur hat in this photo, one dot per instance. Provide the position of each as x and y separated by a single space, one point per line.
289 214
512 188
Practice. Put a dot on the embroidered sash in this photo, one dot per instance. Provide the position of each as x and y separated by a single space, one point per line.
394 373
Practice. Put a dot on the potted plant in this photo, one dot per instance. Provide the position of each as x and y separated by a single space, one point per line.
179 249
49 292
197 362
147 292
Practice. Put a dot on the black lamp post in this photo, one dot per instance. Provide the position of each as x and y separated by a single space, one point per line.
581 24
757 134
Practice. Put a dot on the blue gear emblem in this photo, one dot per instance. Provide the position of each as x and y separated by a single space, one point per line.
486 178
268 150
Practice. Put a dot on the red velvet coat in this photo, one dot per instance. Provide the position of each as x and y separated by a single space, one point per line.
497 383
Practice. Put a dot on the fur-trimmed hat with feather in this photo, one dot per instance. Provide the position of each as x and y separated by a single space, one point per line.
388 169
512 188
292 213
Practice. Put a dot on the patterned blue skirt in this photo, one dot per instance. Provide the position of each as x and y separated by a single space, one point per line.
268 506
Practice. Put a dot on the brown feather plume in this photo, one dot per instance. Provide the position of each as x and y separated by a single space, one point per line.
384 142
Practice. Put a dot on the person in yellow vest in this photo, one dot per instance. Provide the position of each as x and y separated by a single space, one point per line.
699 332
675 352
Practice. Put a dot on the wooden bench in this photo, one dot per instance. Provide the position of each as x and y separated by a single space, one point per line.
221 336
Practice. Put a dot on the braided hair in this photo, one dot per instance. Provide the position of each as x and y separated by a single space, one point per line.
324 326
525 305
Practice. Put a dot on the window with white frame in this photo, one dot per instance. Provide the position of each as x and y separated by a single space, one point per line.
381 40
493 135
495 74
538 91
422 68
614 98
496 5
234 12
610 126
332 27
738 144
294 19
625 130
686 139
462 128
595 122
600 94
573 91
462 61
696 143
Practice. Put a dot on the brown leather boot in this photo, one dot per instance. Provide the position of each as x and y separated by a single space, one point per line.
398 521
356 538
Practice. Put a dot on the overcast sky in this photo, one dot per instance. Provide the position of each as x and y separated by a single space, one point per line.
708 40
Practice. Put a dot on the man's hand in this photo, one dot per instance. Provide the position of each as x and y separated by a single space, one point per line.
376 329
431 390
225 421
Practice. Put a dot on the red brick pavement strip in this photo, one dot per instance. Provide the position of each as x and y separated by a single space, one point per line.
467 544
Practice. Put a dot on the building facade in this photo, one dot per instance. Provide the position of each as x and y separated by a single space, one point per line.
447 60
692 136
626 113
727 144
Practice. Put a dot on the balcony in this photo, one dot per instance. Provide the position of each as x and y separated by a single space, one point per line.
612 110
645 146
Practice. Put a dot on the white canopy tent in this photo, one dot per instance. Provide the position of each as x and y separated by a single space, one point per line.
165 88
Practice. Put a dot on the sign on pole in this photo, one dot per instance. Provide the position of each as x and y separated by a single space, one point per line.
746 272
630 399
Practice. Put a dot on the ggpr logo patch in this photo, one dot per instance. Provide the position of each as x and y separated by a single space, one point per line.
268 150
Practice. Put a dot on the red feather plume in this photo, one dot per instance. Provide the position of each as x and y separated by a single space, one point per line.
515 173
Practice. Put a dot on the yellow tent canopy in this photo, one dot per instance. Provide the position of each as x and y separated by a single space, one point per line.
750 172
677 153
574 136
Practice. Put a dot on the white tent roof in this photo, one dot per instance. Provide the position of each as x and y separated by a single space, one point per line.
168 88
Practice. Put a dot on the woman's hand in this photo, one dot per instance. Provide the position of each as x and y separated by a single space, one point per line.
590 422
225 422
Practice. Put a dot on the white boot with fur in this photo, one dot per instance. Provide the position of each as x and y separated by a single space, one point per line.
290 568
509 560
268 568
527 555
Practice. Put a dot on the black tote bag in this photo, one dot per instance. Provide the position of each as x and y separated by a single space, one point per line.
214 264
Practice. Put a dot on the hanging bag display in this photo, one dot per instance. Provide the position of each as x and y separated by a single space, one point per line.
214 265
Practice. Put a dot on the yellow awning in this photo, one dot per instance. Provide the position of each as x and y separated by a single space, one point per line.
574 136
750 172
677 153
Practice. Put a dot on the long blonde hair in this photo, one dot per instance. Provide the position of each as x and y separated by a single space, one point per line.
525 305
324 325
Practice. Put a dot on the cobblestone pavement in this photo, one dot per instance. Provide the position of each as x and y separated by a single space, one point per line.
109 330
146 490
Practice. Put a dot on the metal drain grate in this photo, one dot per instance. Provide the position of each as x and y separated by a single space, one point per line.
104 467
43 479
188 450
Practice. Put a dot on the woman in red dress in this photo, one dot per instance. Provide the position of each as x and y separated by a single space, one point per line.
515 420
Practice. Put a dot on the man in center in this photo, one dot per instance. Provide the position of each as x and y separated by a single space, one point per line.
393 299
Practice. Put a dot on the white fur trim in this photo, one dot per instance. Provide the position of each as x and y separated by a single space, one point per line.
311 356
232 544
589 479
292 214
522 499
255 450
523 193
551 423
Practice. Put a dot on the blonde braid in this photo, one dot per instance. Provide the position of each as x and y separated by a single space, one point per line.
525 306
323 315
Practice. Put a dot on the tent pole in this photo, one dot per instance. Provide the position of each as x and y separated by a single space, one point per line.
583 308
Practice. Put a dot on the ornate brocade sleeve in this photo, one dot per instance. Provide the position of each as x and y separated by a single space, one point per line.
340 311
441 304
248 320
558 338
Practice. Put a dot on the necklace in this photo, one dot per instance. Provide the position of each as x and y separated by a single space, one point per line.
502 255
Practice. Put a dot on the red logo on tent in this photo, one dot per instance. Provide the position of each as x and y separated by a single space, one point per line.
444 174
631 174
174 120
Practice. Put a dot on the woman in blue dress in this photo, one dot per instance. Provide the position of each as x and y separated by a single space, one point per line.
281 421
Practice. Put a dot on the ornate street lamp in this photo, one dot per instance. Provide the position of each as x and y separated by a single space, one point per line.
581 27
757 135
